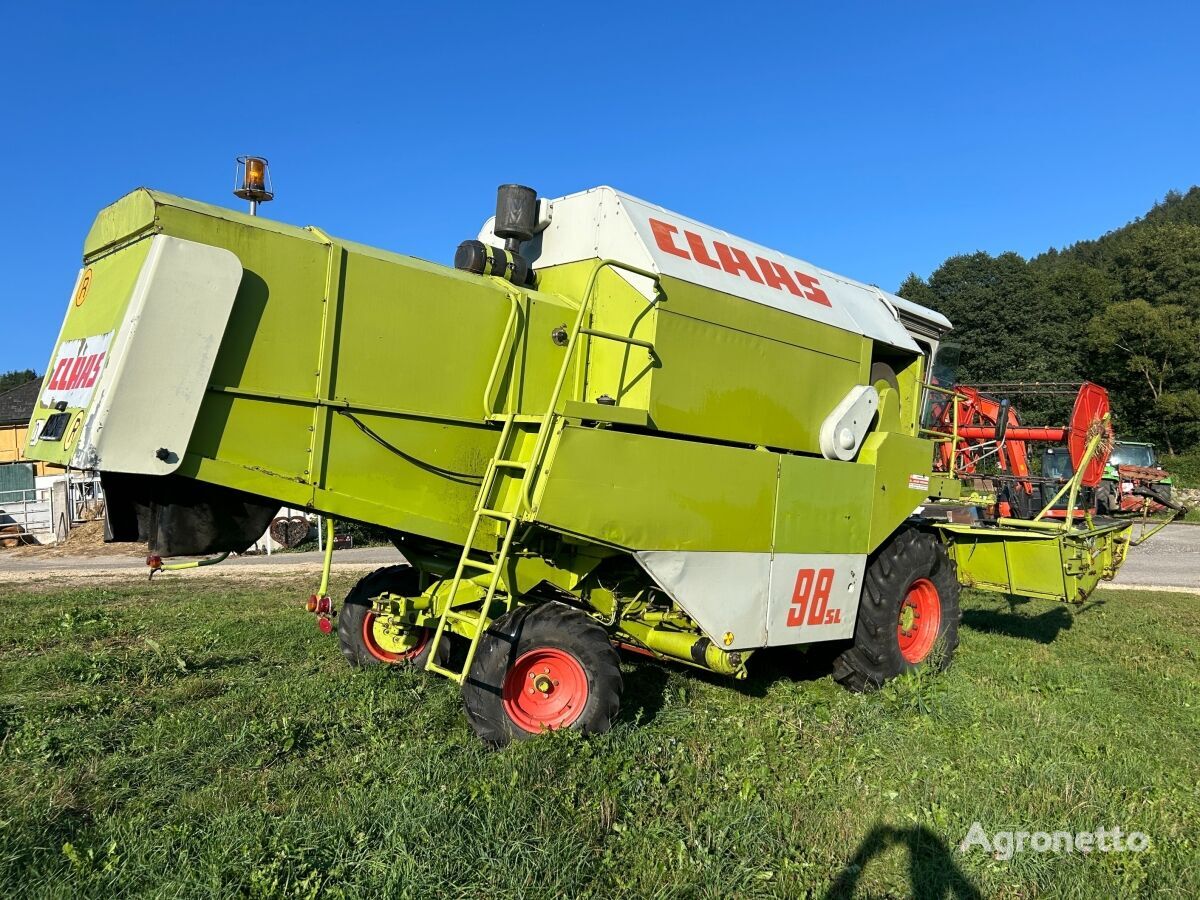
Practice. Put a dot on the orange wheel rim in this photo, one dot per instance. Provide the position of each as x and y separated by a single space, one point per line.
920 620
546 688
390 656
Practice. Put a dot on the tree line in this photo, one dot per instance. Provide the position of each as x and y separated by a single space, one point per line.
1122 310
15 378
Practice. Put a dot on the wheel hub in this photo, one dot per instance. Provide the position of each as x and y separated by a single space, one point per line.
546 688
919 621
390 642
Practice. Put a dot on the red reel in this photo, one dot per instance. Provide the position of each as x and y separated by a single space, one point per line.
1087 418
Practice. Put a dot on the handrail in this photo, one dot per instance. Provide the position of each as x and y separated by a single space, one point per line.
585 304
515 304
619 338
939 437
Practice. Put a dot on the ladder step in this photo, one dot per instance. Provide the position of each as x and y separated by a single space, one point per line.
511 464
517 419
496 514
485 567
460 677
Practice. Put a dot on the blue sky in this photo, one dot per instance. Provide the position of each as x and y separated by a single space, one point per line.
873 139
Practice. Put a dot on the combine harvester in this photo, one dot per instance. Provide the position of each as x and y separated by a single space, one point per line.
607 425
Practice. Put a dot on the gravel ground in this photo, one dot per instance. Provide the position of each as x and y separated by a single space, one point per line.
1170 559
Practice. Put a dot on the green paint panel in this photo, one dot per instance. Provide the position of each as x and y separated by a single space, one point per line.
823 506
895 459
324 330
655 493
723 368
753 390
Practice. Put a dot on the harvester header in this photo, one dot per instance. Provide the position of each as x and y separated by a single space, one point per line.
607 426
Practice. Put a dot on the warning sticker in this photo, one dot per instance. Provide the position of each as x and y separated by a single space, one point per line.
918 482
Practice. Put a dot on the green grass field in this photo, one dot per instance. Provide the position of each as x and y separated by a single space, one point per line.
199 737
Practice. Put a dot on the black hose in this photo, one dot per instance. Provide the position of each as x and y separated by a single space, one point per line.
461 477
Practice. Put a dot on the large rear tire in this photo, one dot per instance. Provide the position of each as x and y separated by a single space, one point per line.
541 668
909 613
364 639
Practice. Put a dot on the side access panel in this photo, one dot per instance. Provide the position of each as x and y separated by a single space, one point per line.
133 359
757 547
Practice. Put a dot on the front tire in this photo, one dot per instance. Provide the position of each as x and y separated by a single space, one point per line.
541 668
361 633
909 613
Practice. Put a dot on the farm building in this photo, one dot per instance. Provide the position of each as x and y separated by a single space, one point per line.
34 495
16 407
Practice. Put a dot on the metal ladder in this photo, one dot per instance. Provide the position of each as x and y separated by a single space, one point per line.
511 512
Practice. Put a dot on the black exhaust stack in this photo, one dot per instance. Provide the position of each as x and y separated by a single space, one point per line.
516 215
516 221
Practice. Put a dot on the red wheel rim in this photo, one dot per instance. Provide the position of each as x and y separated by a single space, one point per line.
920 620
545 689
390 656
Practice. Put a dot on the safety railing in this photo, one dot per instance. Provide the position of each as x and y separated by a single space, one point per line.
577 328
32 510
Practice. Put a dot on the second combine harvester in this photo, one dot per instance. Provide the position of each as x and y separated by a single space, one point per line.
608 424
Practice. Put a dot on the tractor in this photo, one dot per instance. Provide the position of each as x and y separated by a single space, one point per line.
605 427
1134 481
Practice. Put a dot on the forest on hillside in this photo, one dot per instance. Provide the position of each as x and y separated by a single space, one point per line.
1122 310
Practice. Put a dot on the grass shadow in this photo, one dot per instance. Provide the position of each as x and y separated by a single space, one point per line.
793 664
645 692
644 695
1043 628
933 874
218 663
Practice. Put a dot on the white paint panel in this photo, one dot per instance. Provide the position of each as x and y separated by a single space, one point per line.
813 597
723 592
760 598
850 306
160 359
604 223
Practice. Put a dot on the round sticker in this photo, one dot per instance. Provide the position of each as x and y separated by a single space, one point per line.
73 429
85 282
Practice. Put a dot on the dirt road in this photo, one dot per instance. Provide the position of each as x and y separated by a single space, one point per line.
1171 559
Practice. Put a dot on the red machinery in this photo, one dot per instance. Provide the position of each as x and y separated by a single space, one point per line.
981 427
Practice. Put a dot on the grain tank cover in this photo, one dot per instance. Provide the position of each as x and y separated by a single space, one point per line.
607 224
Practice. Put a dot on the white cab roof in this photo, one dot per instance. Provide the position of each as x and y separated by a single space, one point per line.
603 223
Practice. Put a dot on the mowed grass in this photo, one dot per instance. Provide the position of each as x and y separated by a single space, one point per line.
199 737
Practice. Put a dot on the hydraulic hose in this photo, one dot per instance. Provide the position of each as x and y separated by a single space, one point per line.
157 565
328 563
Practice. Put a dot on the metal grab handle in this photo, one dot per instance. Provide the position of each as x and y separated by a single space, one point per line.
506 336
539 445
